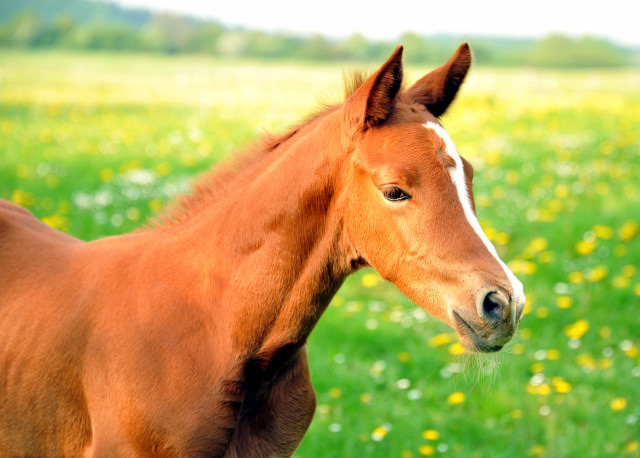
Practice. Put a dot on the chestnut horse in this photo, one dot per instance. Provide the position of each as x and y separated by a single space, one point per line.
187 338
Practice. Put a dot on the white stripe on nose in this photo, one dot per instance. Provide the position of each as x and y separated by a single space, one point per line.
460 182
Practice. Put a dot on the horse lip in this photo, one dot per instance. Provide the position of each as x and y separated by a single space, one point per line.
479 343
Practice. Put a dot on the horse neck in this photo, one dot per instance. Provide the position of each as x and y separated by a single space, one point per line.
274 249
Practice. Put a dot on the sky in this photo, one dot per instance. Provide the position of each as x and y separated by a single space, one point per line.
616 20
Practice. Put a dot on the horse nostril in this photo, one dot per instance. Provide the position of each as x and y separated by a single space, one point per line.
492 306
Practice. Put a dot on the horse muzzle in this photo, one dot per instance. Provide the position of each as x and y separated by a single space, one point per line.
492 324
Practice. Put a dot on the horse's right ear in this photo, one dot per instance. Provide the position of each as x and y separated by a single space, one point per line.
370 105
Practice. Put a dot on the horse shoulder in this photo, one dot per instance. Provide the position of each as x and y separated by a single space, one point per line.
167 360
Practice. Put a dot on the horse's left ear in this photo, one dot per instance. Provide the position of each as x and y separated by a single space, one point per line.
370 105
436 90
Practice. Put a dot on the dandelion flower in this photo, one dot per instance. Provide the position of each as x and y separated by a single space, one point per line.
562 387
618 404
379 433
404 357
456 398
431 434
369 280
456 349
536 450
564 302
440 340
585 247
577 329
427 450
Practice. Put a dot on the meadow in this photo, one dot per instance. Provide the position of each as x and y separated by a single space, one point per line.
93 144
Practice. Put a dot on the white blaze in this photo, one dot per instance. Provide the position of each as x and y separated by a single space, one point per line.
460 182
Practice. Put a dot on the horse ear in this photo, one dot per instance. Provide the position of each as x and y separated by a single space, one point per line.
370 105
436 90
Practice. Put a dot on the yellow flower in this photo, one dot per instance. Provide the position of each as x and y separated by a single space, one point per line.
369 280
440 339
546 257
577 329
52 181
106 175
628 230
427 450
544 390
586 360
502 238
335 393
636 289
603 232
431 434
585 247
483 201
133 214
603 188
456 349
629 270
23 172
536 450
365 398
163 169
562 190
516 414
511 177
620 250
155 205
522 266
490 233
553 354
618 404
518 349
542 312
456 398
620 282
576 277
24 198
605 332
498 192
563 387
631 447
57 222
605 363
404 357
537 368
597 273
564 302
379 433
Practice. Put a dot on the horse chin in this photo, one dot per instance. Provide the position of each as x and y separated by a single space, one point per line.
472 341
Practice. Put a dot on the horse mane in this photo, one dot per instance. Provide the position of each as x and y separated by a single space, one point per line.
223 177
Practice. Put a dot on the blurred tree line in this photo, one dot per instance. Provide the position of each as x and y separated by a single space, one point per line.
92 25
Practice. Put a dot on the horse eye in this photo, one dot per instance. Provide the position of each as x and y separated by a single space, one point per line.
393 194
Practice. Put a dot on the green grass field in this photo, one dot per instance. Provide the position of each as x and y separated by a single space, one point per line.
93 144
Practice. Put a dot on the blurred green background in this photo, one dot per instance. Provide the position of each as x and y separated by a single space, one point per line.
94 143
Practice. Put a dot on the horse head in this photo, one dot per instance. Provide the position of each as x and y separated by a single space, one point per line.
409 208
